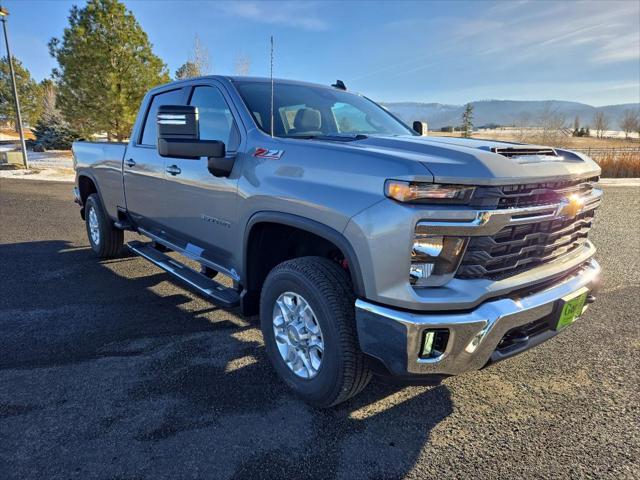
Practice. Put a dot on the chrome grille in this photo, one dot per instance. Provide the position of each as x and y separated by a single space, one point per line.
520 247
530 195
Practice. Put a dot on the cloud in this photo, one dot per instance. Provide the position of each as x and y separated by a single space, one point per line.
521 33
608 30
618 49
289 14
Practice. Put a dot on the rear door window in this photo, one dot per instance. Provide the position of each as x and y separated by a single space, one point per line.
171 97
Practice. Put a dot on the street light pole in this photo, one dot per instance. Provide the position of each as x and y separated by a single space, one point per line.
3 16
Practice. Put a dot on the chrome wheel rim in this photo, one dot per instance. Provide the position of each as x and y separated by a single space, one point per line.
298 335
94 227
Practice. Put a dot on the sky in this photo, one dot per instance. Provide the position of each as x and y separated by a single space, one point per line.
427 51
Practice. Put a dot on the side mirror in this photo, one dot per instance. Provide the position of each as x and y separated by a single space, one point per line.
179 134
419 127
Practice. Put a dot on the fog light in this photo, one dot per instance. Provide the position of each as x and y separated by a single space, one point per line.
434 343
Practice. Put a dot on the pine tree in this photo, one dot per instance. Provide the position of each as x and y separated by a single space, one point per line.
106 65
467 121
52 131
187 70
28 92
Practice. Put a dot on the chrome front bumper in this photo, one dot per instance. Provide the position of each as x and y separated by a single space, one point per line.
395 337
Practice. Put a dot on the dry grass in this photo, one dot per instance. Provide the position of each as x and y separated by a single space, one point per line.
624 165
11 134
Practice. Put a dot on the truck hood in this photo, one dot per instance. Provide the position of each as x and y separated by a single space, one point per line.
483 162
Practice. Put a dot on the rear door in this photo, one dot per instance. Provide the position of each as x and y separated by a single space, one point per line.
202 208
144 169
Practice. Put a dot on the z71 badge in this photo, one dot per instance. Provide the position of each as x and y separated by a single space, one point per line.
268 154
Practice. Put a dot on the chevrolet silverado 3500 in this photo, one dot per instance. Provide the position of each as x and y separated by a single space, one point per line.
363 246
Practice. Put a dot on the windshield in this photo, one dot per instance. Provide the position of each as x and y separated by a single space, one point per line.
306 111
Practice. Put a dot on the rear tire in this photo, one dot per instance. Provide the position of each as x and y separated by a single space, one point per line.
324 289
105 240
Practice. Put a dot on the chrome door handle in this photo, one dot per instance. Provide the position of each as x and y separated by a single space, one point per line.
130 163
173 170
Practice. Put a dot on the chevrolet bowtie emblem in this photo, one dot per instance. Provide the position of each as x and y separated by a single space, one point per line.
570 206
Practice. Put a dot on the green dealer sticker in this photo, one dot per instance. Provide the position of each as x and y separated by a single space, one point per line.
571 310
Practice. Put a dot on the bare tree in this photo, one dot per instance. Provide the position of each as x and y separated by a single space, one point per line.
523 124
201 57
630 122
576 123
242 64
552 125
198 64
49 94
600 124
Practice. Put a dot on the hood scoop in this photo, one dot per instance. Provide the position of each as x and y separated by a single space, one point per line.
528 154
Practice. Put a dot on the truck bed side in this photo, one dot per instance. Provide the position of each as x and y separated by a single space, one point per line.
101 163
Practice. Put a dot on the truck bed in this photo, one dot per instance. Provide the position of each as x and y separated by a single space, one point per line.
102 162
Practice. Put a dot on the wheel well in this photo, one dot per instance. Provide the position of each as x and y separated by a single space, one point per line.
270 244
86 187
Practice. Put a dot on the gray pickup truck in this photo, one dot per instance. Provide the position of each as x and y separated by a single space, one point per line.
363 246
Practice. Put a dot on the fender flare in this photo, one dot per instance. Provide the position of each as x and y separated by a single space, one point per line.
88 175
311 226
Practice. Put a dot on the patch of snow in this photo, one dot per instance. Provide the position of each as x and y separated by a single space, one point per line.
50 174
52 165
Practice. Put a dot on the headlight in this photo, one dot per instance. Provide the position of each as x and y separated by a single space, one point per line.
418 192
434 259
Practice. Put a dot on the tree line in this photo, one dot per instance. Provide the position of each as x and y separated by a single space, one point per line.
106 64
552 124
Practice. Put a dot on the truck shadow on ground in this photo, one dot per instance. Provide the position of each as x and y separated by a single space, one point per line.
166 376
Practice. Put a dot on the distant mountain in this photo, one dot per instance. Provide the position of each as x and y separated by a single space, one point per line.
504 112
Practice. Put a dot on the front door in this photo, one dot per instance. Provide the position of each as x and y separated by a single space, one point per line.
144 169
201 208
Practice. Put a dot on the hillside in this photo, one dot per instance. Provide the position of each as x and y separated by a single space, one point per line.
504 112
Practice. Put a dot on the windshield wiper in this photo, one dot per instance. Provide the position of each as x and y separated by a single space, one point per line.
332 138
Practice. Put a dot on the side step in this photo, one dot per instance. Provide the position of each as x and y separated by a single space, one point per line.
123 225
219 294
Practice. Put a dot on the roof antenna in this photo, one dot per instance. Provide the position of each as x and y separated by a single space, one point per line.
339 85
271 86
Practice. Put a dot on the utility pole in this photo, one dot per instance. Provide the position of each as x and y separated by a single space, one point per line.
4 13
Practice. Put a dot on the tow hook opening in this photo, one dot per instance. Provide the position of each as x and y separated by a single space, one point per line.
434 343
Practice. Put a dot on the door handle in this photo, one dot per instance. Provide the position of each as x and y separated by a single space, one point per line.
173 170
130 163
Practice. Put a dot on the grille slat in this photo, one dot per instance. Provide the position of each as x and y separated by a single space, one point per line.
517 248
532 195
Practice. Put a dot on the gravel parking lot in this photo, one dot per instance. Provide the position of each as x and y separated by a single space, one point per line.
110 370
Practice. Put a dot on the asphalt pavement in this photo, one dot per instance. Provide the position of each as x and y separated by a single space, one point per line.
110 370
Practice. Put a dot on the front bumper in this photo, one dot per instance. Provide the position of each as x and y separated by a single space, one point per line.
394 337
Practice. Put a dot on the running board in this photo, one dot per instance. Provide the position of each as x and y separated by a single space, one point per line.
219 294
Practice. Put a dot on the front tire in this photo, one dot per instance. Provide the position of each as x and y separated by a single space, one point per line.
105 239
307 317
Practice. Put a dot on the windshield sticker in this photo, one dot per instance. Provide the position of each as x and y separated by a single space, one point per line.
269 154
